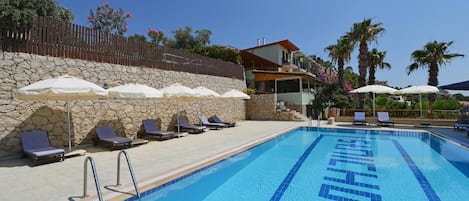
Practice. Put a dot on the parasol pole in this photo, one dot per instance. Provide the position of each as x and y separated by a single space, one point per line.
420 101
177 109
374 106
69 129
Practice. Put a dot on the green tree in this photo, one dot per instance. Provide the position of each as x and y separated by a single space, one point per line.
218 52
330 96
432 56
340 54
362 33
351 77
376 60
461 97
138 37
156 37
108 19
446 104
21 14
185 39
202 37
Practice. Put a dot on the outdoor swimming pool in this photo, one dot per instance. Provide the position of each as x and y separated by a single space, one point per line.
331 164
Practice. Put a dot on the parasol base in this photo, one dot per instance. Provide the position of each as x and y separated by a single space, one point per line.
137 142
184 134
423 125
76 152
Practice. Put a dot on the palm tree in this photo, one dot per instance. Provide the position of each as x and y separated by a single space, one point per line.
340 54
376 60
431 56
364 32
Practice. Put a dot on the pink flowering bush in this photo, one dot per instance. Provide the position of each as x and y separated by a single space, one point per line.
108 19
156 36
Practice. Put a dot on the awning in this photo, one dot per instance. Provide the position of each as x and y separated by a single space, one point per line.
456 86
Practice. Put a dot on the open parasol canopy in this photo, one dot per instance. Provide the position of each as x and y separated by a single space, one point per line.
63 88
375 89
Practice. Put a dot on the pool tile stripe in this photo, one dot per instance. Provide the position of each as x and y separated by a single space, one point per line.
370 166
424 184
366 154
325 189
351 157
286 182
353 145
350 178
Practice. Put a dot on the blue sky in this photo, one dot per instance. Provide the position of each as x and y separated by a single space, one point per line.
312 25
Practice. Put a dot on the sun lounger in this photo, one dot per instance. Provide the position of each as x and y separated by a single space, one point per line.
107 136
359 118
37 147
204 121
460 126
384 120
185 126
151 130
215 119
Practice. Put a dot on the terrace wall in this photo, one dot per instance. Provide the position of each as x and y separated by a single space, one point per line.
261 107
21 69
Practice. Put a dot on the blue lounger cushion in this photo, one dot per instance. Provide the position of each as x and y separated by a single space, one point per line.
461 126
383 119
359 118
184 124
215 119
43 152
204 121
106 134
36 146
151 129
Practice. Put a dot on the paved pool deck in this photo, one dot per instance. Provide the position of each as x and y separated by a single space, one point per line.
151 162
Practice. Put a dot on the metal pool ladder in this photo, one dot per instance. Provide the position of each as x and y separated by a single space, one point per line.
132 174
96 180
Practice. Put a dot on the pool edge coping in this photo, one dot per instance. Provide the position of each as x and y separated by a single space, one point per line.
127 190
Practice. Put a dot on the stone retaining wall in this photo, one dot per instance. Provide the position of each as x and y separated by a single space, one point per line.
19 69
261 107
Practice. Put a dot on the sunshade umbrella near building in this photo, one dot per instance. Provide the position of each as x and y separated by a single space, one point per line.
205 93
63 88
179 92
235 94
134 91
375 89
456 86
420 89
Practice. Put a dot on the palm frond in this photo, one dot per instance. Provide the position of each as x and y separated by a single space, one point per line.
412 67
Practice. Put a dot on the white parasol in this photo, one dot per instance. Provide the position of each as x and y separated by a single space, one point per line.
134 91
179 92
63 88
375 89
205 93
420 89
235 94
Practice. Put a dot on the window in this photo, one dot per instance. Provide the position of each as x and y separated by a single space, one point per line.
288 86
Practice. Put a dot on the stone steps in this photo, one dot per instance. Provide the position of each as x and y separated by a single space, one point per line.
298 116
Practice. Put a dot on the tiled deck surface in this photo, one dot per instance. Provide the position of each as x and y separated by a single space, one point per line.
64 180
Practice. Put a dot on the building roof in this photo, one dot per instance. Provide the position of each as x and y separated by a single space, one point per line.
250 60
272 75
284 43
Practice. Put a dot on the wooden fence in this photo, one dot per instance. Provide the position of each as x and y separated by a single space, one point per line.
55 38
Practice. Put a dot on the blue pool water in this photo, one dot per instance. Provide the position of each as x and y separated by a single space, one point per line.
331 164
